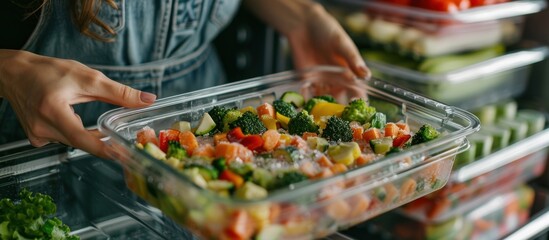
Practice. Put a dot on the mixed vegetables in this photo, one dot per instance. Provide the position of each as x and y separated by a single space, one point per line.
445 5
30 218
250 153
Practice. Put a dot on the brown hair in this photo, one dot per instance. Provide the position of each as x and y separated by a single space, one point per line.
84 13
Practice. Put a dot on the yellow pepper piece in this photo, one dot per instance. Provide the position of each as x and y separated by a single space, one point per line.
248 109
269 122
327 109
283 120
345 153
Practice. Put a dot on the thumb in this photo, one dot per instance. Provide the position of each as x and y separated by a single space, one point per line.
107 90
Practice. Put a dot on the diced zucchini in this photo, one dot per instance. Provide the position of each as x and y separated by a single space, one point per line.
154 151
263 178
207 171
345 153
379 120
250 191
381 145
486 114
196 177
206 125
535 120
507 110
318 143
518 129
501 136
289 154
483 144
181 126
220 185
294 98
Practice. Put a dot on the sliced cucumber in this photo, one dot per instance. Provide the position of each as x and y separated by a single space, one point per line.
294 98
155 151
206 125
507 110
289 154
500 135
483 144
487 114
519 129
181 126
535 120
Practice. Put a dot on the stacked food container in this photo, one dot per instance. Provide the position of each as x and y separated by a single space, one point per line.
473 58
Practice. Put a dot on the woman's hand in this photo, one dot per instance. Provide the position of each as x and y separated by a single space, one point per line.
42 91
315 37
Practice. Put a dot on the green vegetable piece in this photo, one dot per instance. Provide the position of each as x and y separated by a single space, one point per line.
263 178
249 123
344 153
535 120
519 129
378 120
302 123
243 169
286 178
294 98
466 157
288 154
486 114
318 143
424 134
231 116
338 129
154 151
206 125
284 108
208 172
482 142
506 110
175 150
220 164
196 176
220 185
390 110
359 111
501 136
381 145
181 126
250 191
217 113
448 63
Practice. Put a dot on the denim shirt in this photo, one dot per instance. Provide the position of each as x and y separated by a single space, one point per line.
160 46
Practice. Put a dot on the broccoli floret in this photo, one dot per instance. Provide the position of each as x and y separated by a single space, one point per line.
338 129
217 113
284 108
231 116
424 134
249 123
175 150
378 120
313 101
286 178
302 123
359 111
30 218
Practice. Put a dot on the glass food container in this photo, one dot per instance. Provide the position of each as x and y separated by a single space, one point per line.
302 210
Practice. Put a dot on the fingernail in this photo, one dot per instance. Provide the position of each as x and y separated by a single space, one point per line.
364 71
147 97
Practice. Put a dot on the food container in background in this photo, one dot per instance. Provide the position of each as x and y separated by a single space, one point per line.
425 33
302 210
89 193
494 218
468 86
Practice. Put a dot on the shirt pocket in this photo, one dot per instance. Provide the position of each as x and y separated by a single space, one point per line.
114 17
187 16
223 11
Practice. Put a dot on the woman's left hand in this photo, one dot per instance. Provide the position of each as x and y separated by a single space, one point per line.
315 37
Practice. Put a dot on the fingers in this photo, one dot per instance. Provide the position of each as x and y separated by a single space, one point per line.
107 90
348 50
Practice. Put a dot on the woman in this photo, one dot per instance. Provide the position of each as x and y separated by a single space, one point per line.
103 51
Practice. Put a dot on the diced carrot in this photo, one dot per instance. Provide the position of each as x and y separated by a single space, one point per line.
270 139
358 130
299 143
360 203
403 126
338 168
274 210
227 150
230 176
308 135
308 169
370 134
188 141
408 188
204 150
338 210
483 225
324 173
323 161
146 135
244 153
266 109
391 193
241 225
365 159
391 130
220 137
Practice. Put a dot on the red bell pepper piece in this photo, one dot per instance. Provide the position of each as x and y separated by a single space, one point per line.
400 140
230 176
164 136
252 142
235 135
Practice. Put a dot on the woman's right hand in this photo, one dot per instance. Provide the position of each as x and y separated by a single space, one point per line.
42 91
